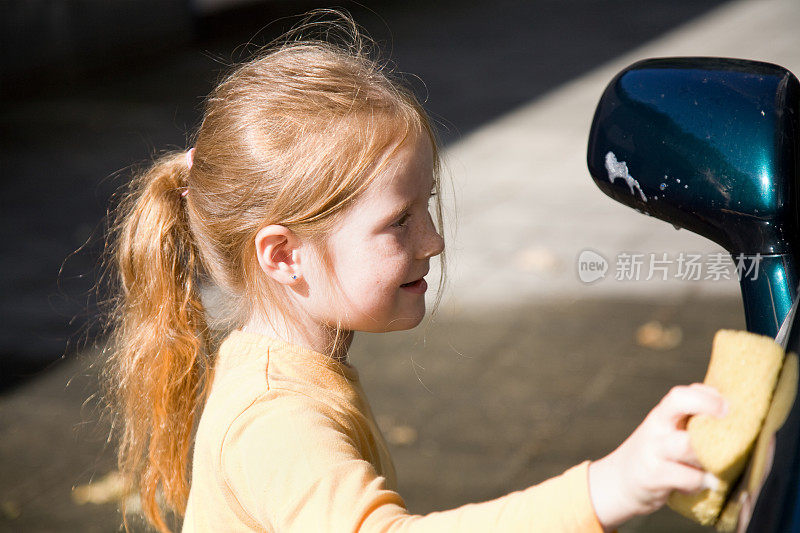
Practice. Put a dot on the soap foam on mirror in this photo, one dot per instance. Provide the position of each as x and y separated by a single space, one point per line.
619 169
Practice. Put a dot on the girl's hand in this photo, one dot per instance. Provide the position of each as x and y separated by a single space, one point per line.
656 459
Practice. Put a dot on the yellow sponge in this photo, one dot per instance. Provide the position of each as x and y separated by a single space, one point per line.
744 368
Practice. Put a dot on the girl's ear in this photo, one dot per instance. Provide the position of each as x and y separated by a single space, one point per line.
277 251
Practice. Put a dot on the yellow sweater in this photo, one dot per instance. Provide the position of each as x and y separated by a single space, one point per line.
287 442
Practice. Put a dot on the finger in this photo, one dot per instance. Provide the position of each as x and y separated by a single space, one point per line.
688 479
683 401
711 390
710 481
676 446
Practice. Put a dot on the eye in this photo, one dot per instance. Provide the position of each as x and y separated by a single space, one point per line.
402 222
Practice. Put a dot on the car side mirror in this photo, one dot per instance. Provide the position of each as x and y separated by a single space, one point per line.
711 145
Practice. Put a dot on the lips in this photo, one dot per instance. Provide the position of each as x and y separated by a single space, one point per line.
417 287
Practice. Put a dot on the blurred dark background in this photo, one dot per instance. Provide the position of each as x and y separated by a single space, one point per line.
90 89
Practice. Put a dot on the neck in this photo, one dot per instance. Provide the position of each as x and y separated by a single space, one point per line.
317 337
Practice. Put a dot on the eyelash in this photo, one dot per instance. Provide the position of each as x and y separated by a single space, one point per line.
406 216
402 224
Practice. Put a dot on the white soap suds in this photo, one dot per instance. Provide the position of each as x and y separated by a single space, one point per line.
618 169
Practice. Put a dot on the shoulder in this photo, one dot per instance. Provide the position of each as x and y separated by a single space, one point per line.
253 410
283 450
287 409
285 424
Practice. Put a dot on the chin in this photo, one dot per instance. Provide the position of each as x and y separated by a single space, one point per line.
389 320
395 324
402 324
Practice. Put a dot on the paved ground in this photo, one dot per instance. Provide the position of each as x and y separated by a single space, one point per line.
525 371
473 407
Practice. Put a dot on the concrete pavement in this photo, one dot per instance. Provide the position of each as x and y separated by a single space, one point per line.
473 408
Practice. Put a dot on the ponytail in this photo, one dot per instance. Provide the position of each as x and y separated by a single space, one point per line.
158 370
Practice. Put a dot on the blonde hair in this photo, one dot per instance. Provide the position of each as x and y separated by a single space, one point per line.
293 137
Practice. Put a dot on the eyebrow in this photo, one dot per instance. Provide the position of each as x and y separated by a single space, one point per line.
405 206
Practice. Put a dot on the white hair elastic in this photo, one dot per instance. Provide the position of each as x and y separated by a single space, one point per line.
189 162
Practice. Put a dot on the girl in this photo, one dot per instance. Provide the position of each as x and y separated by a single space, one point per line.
305 204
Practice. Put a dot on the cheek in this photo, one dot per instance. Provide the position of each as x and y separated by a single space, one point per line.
376 269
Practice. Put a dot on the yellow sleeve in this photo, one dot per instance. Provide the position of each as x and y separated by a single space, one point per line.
292 467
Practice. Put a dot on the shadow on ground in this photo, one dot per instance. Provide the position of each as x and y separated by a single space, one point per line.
473 407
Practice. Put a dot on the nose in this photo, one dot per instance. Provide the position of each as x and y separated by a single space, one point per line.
431 243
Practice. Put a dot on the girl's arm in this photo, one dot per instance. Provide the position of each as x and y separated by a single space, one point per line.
656 459
289 465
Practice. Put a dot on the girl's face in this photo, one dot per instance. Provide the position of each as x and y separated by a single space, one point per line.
385 241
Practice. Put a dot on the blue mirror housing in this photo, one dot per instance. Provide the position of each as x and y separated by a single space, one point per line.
711 145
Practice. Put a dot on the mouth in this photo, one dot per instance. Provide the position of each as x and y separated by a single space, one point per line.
418 286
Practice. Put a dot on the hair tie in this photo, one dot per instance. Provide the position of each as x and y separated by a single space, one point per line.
189 162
